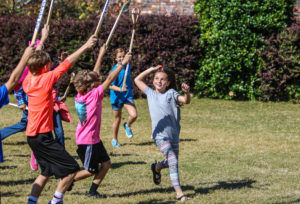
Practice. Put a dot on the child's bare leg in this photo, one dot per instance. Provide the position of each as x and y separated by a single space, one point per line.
116 124
82 175
64 183
130 107
102 172
38 185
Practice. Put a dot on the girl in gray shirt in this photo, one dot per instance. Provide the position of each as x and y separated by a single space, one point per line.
163 104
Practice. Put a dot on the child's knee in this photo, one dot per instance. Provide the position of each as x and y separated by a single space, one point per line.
106 165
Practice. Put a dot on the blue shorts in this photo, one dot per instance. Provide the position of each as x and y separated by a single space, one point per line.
118 106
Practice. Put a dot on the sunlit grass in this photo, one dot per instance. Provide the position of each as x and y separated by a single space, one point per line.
230 152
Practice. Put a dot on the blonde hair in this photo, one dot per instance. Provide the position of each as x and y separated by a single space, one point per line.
118 50
85 81
38 60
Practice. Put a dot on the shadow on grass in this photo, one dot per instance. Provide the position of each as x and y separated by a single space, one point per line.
160 201
119 164
288 202
153 190
9 194
122 155
13 183
153 143
14 143
20 155
7 167
226 185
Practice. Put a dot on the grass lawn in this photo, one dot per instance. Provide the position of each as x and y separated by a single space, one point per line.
230 152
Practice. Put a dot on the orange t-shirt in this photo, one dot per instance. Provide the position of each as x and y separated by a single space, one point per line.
40 101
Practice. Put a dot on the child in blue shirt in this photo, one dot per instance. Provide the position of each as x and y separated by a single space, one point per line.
120 98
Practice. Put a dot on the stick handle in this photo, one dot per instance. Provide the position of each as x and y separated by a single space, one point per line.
38 22
125 77
67 91
115 26
102 17
68 87
15 105
50 12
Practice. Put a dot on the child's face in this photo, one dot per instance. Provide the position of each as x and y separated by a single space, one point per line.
160 82
120 56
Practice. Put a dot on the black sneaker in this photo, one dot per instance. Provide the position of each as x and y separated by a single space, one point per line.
57 203
71 186
94 195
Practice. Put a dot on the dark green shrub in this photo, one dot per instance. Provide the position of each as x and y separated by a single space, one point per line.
231 32
170 41
280 74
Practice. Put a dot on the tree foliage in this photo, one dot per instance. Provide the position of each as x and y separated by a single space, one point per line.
231 32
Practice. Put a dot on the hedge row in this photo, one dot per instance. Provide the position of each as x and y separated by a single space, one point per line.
231 33
280 75
170 41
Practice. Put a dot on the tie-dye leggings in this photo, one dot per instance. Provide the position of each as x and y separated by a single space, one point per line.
170 151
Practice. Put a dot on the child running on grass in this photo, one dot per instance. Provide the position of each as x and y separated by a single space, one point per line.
22 99
120 98
163 104
88 104
51 156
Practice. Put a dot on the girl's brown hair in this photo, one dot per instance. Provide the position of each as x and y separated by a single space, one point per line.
38 60
85 81
171 77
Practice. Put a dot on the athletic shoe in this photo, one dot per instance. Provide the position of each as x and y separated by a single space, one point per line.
115 143
128 130
71 186
94 195
60 202
33 164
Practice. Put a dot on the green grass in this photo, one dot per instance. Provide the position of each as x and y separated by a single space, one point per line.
230 152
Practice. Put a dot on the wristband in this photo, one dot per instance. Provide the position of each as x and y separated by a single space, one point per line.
121 64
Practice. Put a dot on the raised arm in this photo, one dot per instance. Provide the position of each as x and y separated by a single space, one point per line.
186 98
97 66
139 79
45 33
113 75
89 44
17 73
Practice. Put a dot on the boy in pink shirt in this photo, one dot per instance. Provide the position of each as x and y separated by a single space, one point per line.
88 104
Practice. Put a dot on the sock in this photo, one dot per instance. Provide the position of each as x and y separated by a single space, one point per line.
32 200
94 187
57 197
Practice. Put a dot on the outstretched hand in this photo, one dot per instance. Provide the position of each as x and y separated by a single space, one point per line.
127 58
63 56
185 88
91 41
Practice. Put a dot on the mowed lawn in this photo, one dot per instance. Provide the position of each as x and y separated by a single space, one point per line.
230 152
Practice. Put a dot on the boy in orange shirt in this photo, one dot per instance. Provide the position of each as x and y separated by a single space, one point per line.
50 155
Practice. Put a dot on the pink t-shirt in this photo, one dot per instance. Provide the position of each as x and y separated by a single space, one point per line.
89 108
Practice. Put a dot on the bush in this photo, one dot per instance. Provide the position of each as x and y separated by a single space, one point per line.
170 41
231 32
280 74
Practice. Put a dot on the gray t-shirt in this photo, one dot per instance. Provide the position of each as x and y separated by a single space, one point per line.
165 114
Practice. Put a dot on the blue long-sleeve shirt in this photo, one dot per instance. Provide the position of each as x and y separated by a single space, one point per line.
21 97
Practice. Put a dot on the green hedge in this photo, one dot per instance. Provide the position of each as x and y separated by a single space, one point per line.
231 32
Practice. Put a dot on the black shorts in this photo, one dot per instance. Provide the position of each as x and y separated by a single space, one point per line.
92 155
51 156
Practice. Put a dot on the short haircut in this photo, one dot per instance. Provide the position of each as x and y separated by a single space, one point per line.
85 81
38 60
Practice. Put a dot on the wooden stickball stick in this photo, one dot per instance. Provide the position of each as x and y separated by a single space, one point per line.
116 22
134 16
102 17
38 22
